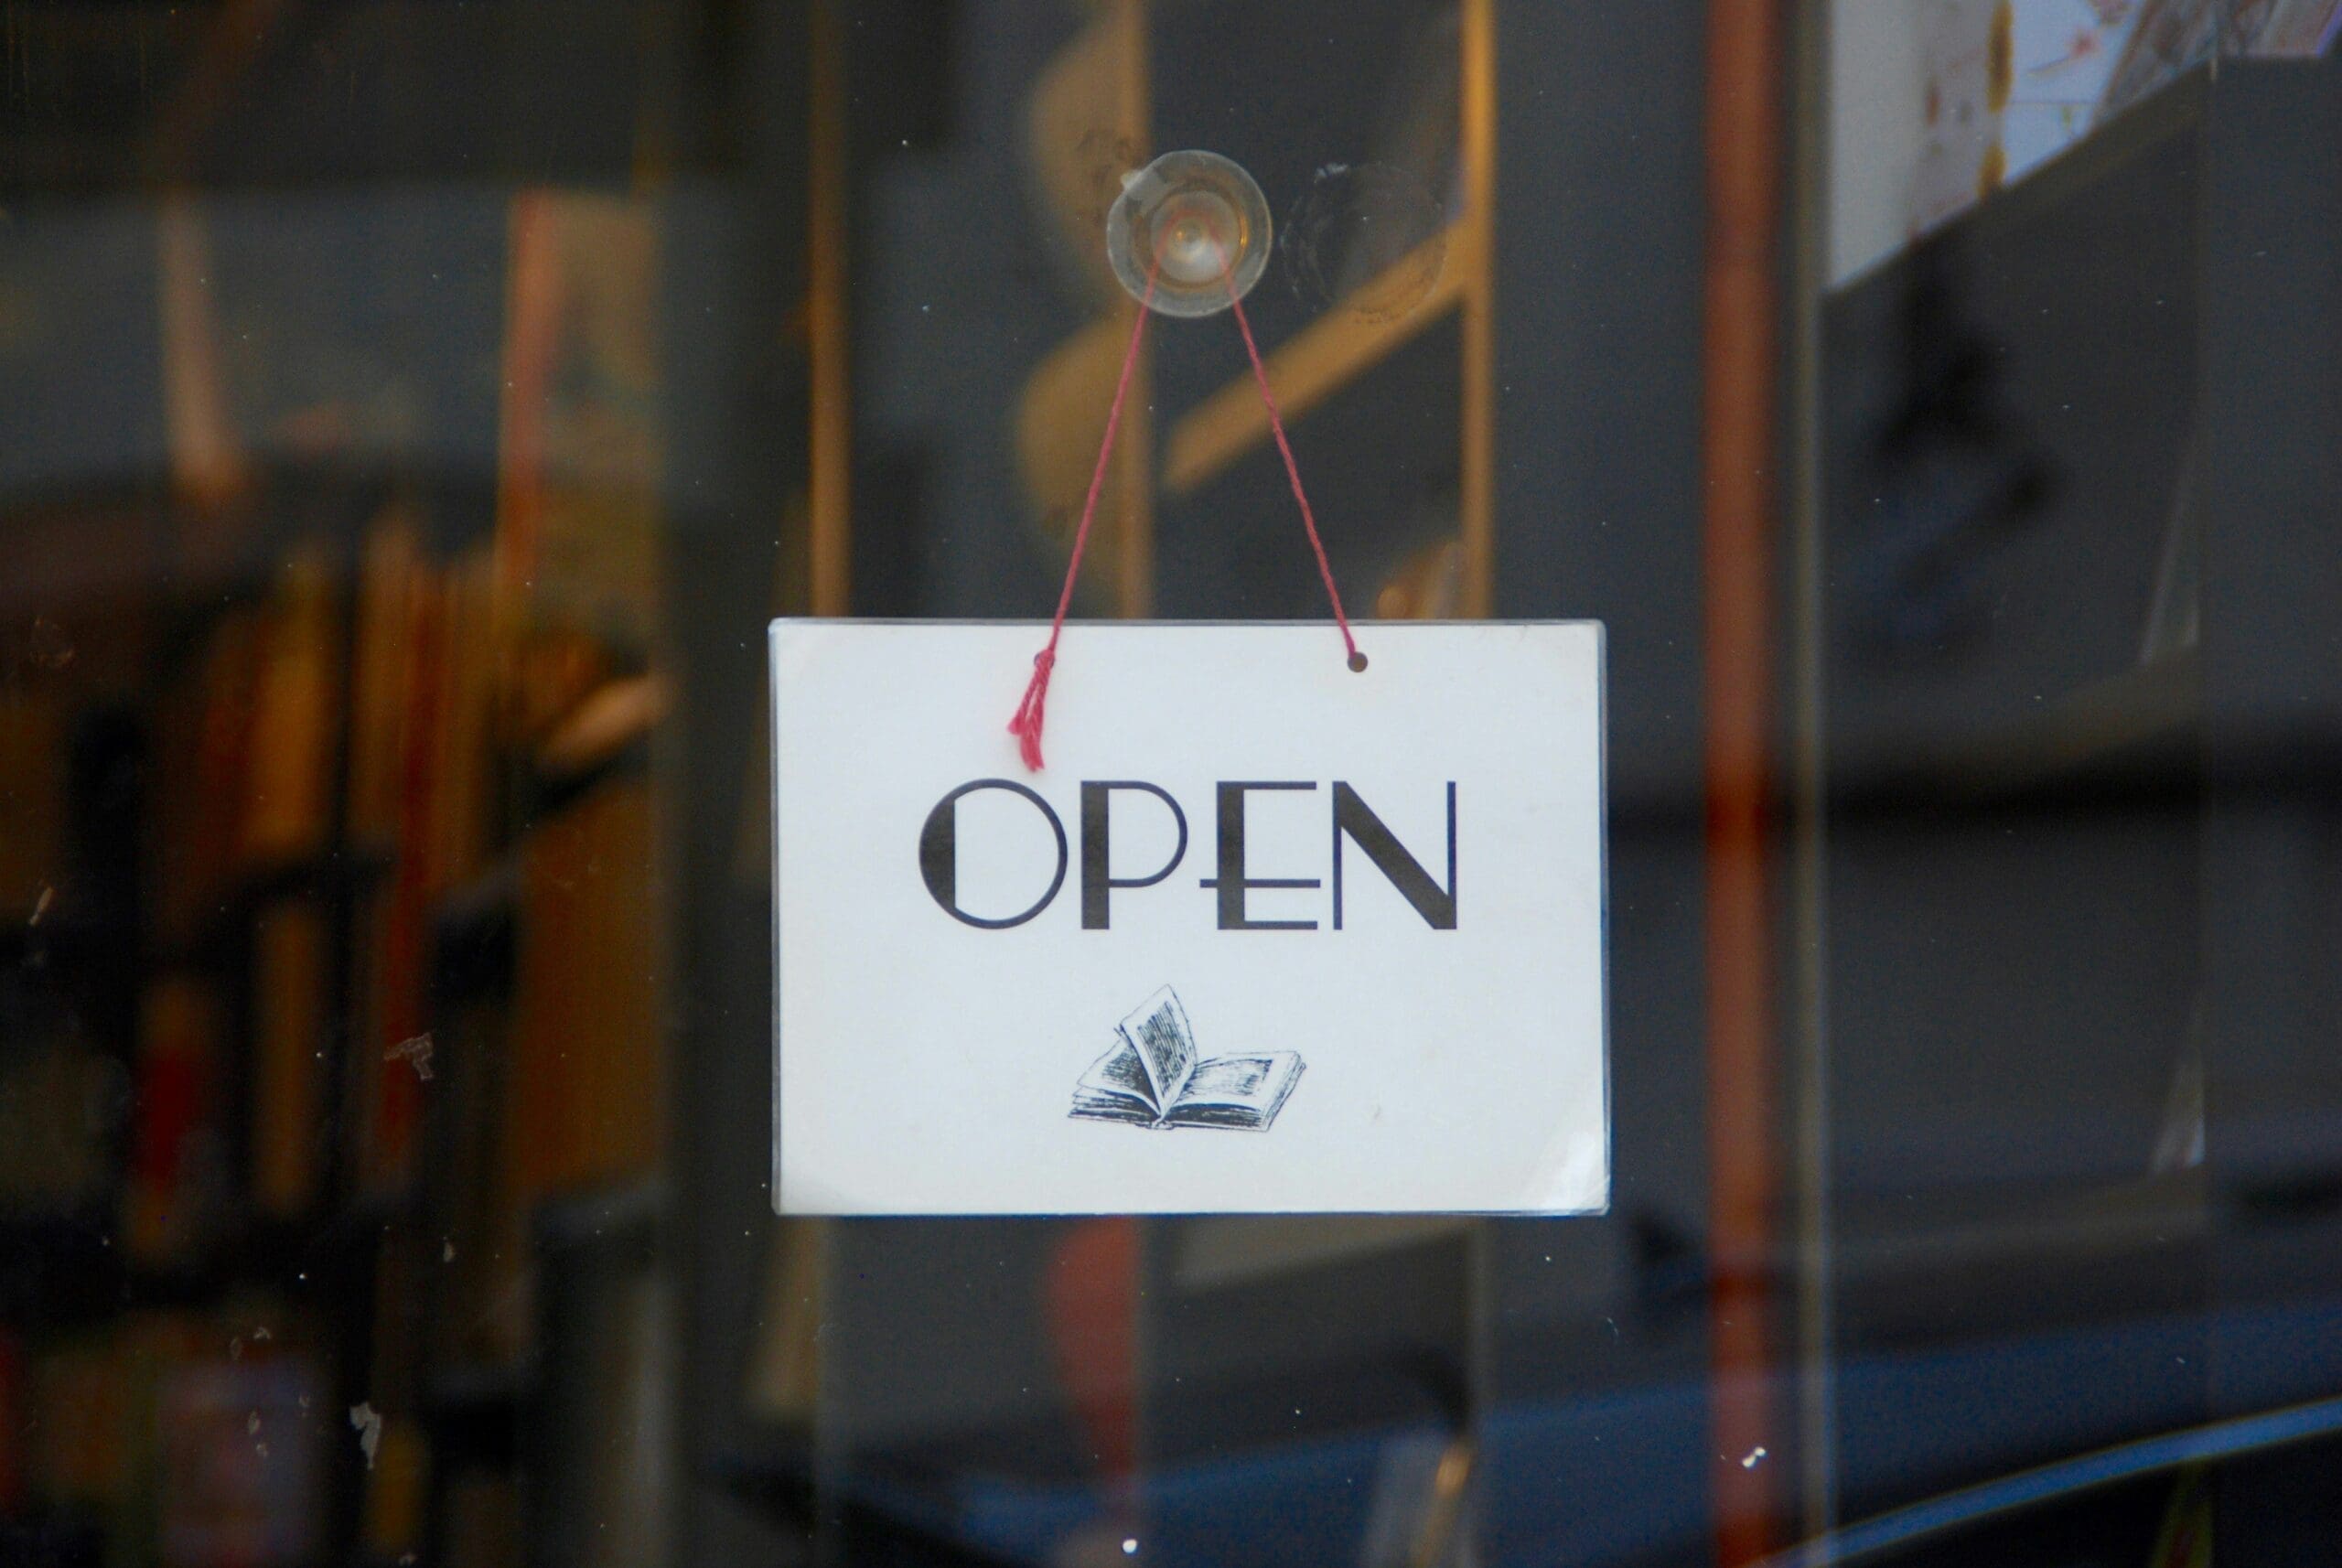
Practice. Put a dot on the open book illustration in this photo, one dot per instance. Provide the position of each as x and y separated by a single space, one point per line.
1153 1076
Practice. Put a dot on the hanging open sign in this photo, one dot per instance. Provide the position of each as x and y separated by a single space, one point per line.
1265 934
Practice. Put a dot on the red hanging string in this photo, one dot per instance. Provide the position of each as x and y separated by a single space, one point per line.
1276 428
1026 724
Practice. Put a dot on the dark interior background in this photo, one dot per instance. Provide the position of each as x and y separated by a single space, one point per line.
406 419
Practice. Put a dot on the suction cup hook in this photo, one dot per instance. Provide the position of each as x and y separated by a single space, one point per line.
1199 221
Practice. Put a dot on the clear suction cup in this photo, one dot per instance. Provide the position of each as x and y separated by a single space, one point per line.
1200 221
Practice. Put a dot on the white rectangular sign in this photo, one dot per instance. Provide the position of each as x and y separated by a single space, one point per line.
1264 935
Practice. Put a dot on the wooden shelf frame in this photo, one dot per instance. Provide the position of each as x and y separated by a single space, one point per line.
1345 344
1320 361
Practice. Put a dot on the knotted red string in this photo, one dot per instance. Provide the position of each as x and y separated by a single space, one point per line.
1026 725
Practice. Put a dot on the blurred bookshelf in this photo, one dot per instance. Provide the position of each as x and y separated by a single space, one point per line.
333 970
